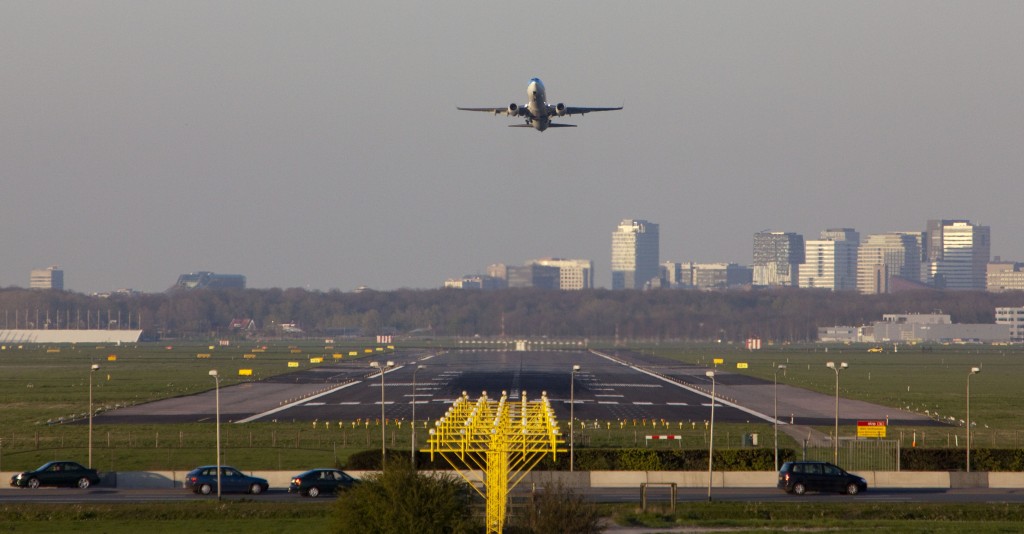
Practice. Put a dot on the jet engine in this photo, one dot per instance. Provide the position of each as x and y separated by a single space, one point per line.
560 109
514 110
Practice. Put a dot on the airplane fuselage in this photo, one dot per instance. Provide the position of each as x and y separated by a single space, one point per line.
537 103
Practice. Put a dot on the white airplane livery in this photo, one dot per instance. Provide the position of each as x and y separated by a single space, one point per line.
537 111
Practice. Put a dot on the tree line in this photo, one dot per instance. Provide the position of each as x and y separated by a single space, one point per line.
780 315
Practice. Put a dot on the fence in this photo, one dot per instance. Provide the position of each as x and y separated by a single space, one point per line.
859 454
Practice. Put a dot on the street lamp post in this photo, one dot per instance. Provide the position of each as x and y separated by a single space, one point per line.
572 414
92 370
383 437
974 370
413 454
835 438
776 418
711 435
216 386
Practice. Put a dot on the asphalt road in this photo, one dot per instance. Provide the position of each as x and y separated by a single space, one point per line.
609 495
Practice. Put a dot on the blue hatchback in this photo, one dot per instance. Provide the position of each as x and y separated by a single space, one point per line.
204 480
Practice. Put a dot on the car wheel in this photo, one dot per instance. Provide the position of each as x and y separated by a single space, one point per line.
852 489
255 489
83 483
799 488
205 489
33 483
313 492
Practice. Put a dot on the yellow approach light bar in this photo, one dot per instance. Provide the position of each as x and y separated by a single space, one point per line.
501 439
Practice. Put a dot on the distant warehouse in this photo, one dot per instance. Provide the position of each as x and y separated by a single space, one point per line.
916 328
208 280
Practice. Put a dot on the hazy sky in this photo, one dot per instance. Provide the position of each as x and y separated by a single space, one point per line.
317 143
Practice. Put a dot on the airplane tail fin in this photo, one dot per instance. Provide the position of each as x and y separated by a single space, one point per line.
560 125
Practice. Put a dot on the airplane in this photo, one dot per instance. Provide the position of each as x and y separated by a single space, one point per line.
537 111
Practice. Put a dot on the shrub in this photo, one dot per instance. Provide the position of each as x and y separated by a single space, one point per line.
402 501
558 509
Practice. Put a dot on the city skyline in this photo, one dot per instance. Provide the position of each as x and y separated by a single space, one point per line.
317 144
856 275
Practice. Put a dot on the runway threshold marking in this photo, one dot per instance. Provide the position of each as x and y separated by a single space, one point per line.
718 402
296 403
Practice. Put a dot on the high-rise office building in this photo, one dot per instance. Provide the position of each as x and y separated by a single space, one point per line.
777 258
884 256
676 274
635 254
49 278
532 275
720 275
1005 276
831 262
957 255
1014 319
572 274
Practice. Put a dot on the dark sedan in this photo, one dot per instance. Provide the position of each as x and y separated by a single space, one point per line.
57 474
204 480
316 481
800 477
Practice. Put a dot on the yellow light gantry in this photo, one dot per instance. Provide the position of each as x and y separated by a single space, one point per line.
503 439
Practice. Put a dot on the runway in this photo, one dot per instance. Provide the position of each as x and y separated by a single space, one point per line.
609 387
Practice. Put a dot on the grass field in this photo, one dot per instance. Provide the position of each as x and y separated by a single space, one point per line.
43 391
315 517
930 381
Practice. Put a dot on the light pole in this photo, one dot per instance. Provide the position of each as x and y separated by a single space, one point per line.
216 388
572 414
711 436
417 368
974 371
92 370
383 438
835 438
781 367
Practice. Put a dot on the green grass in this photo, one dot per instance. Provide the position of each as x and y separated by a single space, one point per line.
832 517
39 388
914 379
232 517
245 516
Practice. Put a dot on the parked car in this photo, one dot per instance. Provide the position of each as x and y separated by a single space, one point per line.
314 482
57 474
204 480
800 477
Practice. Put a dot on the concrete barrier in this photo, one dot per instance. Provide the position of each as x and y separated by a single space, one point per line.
1005 480
150 479
617 479
906 479
963 479
750 479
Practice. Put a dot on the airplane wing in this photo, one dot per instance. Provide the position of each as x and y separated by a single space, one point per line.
581 111
503 111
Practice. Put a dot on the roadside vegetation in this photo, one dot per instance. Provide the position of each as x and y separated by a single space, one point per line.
321 517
